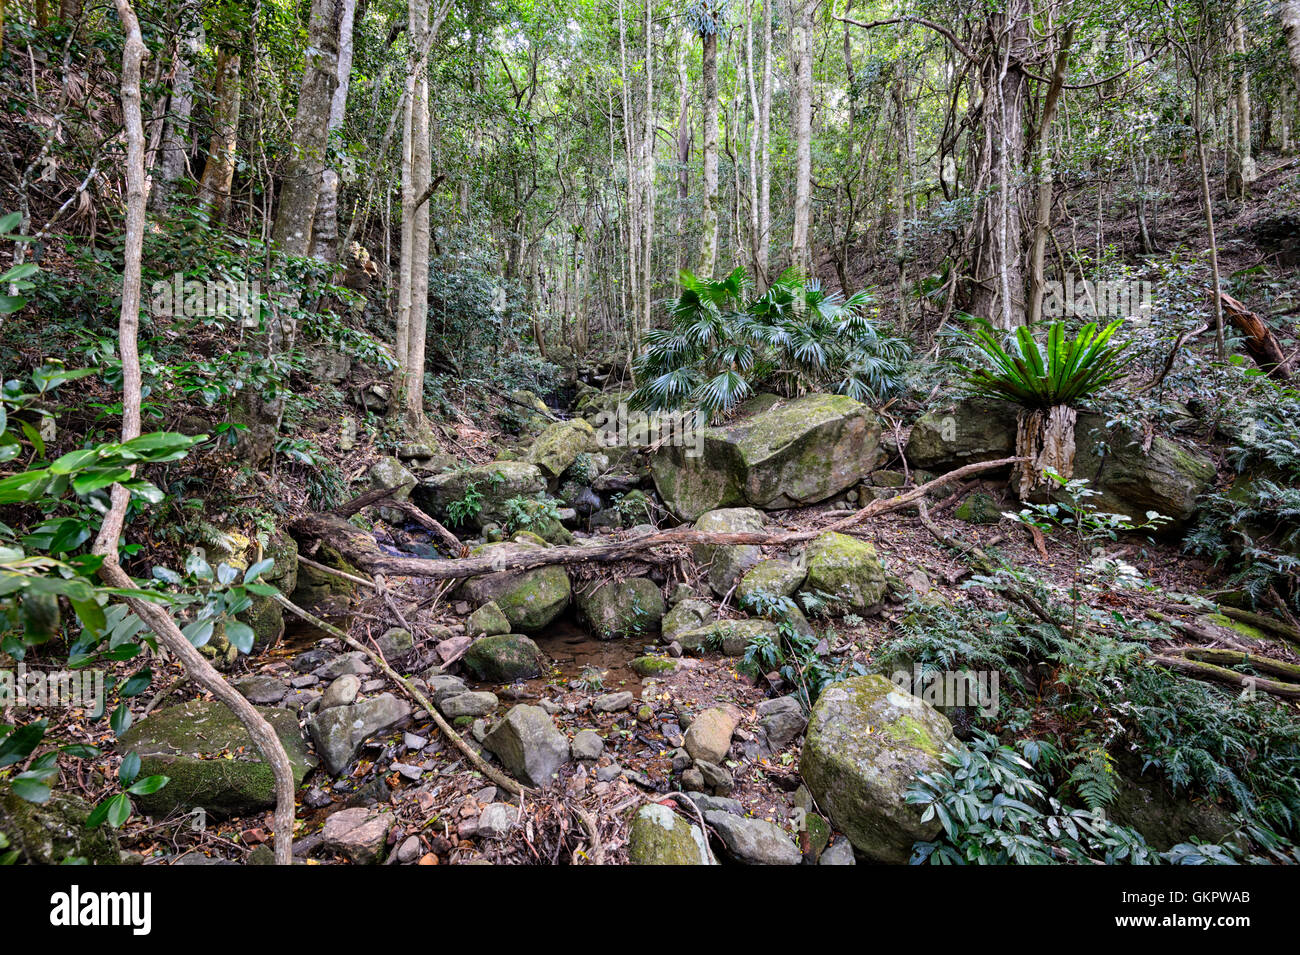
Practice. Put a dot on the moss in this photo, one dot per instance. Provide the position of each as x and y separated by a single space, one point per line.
504 658
653 666
1245 629
55 832
911 733
659 836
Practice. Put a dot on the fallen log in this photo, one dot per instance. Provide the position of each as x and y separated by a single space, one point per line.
1289 672
1214 673
1262 344
361 550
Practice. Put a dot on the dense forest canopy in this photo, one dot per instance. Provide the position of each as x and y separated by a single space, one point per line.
414 412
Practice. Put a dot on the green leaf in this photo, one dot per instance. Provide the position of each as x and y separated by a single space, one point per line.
240 635
19 744
129 769
30 789
150 784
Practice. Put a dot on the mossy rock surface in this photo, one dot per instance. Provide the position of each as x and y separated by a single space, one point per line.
55 832
978 508
688 614
653 666
777 577
866 743
496 482
620 608
975 429
560 444
504 658
729 637
779 453
210 758
848 569
661 837
727 563
530 599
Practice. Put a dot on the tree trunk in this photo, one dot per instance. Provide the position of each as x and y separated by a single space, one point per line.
325 232
1045 437
709 228
173 161
1244 171
300 193
219 171
801 83
1043 211
1289 13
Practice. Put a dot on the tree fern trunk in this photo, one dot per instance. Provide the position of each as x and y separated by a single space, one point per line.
1046 437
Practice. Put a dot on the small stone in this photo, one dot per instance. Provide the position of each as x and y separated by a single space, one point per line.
342 692
496 820
754 841
468 704
262 690
395 643
709 737
839 852
607 773
304 681
587 745
412 773
692 779
359 834
354 663
409 851
708 803
612 702
413 742
716 778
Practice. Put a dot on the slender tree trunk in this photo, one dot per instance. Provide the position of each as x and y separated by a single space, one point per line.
1207 203
1043 211
801 121
685 136
173 161
709 228
764 254
219 171
300 193
1244 171
325 233
1289 13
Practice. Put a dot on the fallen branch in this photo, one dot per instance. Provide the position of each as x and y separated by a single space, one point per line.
1289 672
1262 344
477 761
1213 673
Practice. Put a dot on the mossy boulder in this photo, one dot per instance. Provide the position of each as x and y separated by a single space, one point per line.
727 563
619 608
487 621
776 454
504 658
323 593
975 429
210 758
661 837
560 444
777 577
495 482
729 637
688 614
978 508
1168 478
653 666
55 832
240 551
867 741
848 569
530 599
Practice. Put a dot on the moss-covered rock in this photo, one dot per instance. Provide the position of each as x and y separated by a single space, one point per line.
560 444
619 608
729 637
687 614
530 599
867 741
505 658
487 621
848 569
777 454
55 832
727 563
323 593
776 577
210 758
978 508
653 666
975 429
495 483
661 837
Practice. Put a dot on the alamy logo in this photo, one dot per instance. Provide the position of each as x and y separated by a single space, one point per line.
76 908
69 688
973 688
1084 298
182 298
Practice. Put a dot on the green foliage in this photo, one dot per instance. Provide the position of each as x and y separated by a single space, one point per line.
794 651
1063 373
537 513
795 337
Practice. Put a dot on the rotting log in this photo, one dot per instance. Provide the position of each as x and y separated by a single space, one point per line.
1262 344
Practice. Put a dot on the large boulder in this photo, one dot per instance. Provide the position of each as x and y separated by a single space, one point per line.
1168 478
729 637
339 731
55 832
975 429
848 569
753 841
619 608
689 614
727 563
661 837
530 599
210 758
780 454
774 577
528 745
495 483
867 742
504 658
560 444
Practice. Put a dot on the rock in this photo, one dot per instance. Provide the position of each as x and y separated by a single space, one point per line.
453 649
530 599
339 732
496 482
776 577
528 745
754 841
613 702
1168 479
688 614
562 441
659 836
389 472
355 663
860 777
505 658
780 721
730 637
619 608
709 736
497 819
727 563
787 454
716 778
262 690
720 803
839 852
394 643
587 744
692 778
322 593
979 508
468 704
846 568
342 692
487 621
409 850
359 834
233 547
1165 818
210 758
975 429
653 666
54 832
